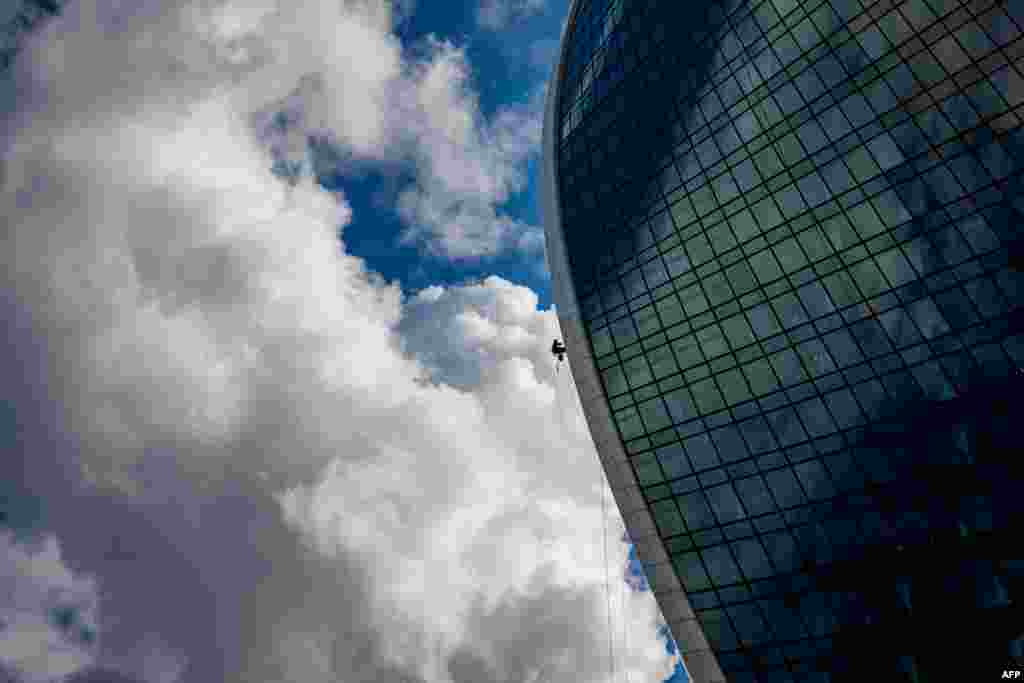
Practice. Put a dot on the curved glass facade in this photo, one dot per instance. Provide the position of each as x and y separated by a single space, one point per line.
786 239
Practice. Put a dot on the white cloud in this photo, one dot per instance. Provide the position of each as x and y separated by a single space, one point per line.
497 14
474 165
48 615
314 479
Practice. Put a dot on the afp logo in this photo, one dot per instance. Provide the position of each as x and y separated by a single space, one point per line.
1011 675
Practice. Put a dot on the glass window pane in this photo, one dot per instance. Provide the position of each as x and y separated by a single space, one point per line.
637 371
787 427
761 377
755 496
676 261
680 405
790 201
647 321
758 435
866 221
670 310
741 278
696 511
614 380
655 273
840 234
717 289
783 550
814 243
790 149
815 357
690 571
721 566
702 452
811 135
815 480
667 517
674 461
767 214
693 300
734 387
688 352
737 331
709 399
647 470
623 332
717 629
897 269
729 443
871 337
838 176
787 366
744 225
749 624
663 362
763 321
768 162
725 504
790 255
712 341
784 621
789 310
785 488
841 289
860 161
602 341
699 249
929 321
815 300
872 398
654 415
629 423
869 278
633 284
842 347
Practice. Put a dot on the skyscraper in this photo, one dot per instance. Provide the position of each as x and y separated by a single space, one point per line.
786 239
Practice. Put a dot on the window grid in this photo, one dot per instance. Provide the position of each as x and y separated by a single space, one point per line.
776 281
738 207
825 211
878 247
876 78
784 129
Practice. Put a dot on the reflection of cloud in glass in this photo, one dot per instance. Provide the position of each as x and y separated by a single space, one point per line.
891 292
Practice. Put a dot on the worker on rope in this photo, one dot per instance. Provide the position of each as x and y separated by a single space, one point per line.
558 351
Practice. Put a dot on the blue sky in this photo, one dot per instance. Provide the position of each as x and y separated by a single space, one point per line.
508 65
279 454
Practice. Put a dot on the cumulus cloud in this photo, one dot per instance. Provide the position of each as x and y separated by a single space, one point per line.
419 114
497 14
307 476
48 614
475 166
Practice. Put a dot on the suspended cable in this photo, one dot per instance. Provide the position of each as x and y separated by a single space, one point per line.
607 588
558 400
558 350
624 594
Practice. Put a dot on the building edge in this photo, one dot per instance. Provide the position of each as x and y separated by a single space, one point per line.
701 663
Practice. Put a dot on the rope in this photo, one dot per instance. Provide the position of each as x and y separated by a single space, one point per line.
623 593
604 532
558 399
607 588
